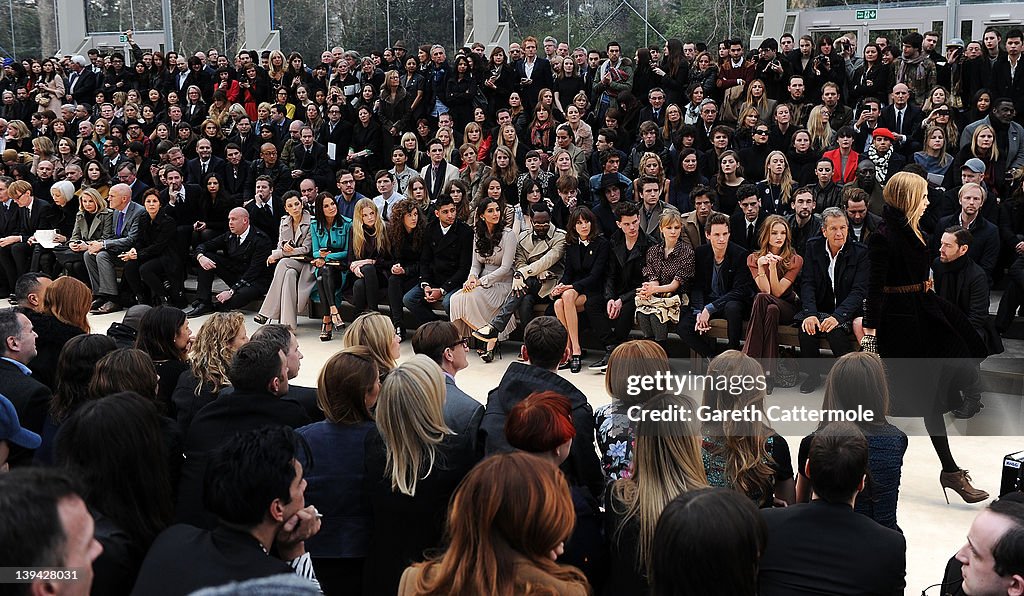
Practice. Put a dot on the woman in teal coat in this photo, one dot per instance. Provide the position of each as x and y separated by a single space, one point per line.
330 232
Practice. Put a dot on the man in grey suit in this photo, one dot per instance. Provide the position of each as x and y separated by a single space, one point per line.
102 254
440 341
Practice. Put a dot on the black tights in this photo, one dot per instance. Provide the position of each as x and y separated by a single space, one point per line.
935 424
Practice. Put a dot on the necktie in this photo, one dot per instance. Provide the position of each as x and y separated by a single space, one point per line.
120 223
204 164
181 196
656 115
899 122
750 236
72 79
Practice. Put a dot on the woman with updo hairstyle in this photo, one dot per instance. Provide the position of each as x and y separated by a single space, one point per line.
376 332
667 464
346 393
414 463
742 453
209 361
615 432
719 534
65 314
507 518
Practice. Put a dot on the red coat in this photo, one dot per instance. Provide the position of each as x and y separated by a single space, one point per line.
851 166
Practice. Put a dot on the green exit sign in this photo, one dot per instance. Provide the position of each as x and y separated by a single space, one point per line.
867 15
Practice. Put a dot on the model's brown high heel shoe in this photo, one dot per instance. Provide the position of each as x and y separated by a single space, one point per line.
960 482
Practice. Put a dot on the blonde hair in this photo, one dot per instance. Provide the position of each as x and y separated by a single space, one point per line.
785 180
744 441
993 153
410 416
651 156
359 237
211 353
821 132
101 203
905 192
376 332
667 462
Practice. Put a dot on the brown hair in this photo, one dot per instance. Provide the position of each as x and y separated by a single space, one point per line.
69 300
126 369
510 505
344 381
639 357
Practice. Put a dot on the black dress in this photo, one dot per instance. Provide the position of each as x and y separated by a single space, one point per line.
928 344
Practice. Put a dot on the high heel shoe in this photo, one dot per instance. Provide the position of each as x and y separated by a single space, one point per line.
326 332
488 355
960 482
336 320
260 319
575 363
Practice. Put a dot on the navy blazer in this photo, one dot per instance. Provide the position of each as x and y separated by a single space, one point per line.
737 281
446 258
541 76
851 281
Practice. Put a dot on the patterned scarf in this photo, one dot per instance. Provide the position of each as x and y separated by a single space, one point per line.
881 162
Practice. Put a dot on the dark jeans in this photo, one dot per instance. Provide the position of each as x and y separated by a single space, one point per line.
398 286
1012 297
15 260
611 332
73 264
521 306
704 344
840 340
366 289
230 272
423 310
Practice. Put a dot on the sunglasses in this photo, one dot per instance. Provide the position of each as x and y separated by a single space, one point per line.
464 342
760 131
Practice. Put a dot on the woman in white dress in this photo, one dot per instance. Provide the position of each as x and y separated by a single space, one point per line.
490 276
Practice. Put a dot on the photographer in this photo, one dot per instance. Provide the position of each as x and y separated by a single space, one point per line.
774 71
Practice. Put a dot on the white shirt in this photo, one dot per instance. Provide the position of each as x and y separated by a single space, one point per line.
832 265
243 236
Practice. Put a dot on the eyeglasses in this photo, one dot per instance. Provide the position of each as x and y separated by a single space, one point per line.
464 342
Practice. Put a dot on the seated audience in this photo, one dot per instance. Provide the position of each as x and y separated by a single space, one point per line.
747 454
152 259
444 261
823 546
667 464
375 331
164 334
992 559
255 487
833 285
545 344
239 258
414 463
31 398
719 534
586 261
209 360
745 224
330 233
984 248
101 255
65 315
367 252
292 282
346 392
858 379
667 273
507 517
440 341
405 233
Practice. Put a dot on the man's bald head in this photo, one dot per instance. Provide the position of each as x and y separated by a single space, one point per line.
119 196
238 220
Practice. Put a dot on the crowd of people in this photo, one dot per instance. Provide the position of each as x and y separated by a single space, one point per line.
871 201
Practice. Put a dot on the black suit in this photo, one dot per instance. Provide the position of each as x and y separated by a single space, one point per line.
195 113
738 230
845 302
267 220
217 422
84 87
624 277
242 266
138 187
314 164
648 114
823 548
194 169
21 257
912 118
235 179
31 399
444 263
542 79
250 145
732 303
341 136
1005 85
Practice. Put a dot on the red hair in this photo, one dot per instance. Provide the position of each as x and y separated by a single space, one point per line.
540 423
